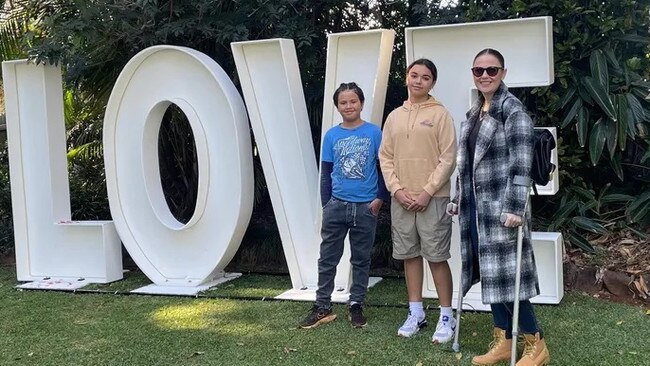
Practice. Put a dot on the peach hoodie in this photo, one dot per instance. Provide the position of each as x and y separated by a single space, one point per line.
418 149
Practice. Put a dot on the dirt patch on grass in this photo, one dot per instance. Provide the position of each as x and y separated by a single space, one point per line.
618 270
8 258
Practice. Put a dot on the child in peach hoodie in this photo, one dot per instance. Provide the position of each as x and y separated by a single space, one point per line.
417 157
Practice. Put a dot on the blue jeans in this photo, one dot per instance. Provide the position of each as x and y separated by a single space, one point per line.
502 317
339 218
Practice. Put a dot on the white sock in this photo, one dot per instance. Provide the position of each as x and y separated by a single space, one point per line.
416 308
446 311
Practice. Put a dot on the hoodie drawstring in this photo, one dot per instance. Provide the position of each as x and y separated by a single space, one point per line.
412 124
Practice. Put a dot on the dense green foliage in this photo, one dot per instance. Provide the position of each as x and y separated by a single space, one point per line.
6 228
599 100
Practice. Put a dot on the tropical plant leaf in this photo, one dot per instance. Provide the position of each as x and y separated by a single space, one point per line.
641 94
584 94
580 241
639 208
611 136
566 208
641 234
598 65
11 30
611 57
643 130
632 38
640 83
622 124
588 201
588 224
635 106
582 126
69 112
645 157
584 193
615 163
626 74
601 194
616 198
87 151
577 105
599 94
597 140
562 102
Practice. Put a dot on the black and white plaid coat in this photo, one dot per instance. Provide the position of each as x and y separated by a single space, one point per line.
502 162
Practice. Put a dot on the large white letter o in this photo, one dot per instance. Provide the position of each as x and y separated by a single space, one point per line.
169 252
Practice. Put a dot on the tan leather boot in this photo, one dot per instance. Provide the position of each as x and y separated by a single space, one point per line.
535 351
500 350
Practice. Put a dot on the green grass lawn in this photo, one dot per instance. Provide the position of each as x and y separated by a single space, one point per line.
57 328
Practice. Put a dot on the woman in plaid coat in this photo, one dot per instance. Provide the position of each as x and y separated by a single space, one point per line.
495 155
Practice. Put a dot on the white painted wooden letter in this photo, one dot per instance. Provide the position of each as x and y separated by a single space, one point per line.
47 243
363 57
270 79
169 252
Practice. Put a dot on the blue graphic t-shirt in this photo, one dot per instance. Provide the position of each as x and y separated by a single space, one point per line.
353 153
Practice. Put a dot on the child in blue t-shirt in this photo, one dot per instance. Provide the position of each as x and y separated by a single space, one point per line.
352 192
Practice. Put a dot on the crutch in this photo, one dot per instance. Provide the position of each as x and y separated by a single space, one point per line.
459 302
459 309
515 308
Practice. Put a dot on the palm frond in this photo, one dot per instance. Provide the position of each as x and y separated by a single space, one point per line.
91 150
10 33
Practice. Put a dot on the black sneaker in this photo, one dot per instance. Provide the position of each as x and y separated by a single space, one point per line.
317 316
356 316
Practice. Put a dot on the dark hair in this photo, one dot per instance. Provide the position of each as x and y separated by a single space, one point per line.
493 52
348 86
428 64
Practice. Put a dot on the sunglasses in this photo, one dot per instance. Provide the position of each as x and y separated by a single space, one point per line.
491 71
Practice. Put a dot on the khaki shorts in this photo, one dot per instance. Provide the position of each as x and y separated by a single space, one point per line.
426 234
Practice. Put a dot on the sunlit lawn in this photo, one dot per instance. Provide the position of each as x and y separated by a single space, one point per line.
56 328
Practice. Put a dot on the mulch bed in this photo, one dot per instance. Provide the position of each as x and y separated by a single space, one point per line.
619 268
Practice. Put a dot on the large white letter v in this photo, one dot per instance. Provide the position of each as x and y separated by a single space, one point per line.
270 80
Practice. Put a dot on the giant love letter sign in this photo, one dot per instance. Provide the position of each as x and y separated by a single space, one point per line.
189 255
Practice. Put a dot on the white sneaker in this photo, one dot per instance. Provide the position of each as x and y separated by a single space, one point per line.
444 330
412 325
